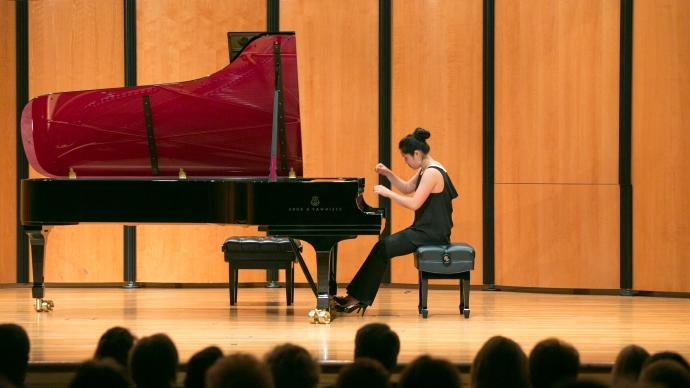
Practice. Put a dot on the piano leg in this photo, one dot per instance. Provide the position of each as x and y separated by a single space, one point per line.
322 313
332 283
37 241
326 247
326 286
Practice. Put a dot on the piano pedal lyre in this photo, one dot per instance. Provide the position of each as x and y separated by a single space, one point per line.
72 174
44 305
319 316
181 174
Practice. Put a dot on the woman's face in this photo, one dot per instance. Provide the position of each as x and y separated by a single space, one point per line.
414 160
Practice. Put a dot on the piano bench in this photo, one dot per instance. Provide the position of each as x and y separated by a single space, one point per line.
270 253
454 261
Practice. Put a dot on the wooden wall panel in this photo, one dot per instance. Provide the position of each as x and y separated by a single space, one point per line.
556 143
560 236
661 141
76 45
8 122
179 40
337 56
556 99
437 84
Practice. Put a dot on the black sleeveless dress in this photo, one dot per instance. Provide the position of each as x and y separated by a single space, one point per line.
433 221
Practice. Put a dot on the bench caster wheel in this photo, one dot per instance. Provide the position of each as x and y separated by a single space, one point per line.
466 313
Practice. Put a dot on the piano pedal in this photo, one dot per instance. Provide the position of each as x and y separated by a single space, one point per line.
44 305
319 316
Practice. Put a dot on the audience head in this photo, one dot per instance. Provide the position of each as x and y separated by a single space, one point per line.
378 341
153 362
103 373
416 141
198 364
293 366
628 364
552 361
363 372
115 343
580 384
665 373
239 370
14 353
425 371
667 355
500 363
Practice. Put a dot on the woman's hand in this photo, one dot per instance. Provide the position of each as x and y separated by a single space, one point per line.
381 169
382 191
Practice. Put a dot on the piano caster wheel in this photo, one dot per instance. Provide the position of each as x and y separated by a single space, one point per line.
44 305
319 316
466 313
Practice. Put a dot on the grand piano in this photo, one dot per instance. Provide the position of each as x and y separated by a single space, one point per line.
222 149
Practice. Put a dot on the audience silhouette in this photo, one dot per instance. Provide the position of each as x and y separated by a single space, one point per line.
500 363
665 373
153 362
115 343
667 355
14 353
239 370
198 364
552 361
428 372
628 364
378 341
103 373
363 372
579 384
293 367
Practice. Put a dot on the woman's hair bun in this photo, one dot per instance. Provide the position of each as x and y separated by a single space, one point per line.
421 134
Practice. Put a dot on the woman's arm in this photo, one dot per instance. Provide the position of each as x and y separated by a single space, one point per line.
402 186
430 179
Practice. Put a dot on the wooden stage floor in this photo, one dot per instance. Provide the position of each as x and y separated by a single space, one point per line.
597 325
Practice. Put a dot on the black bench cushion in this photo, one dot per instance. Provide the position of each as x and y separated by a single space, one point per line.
445 259
259 248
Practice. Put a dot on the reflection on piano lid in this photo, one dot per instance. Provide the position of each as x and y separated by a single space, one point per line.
219 125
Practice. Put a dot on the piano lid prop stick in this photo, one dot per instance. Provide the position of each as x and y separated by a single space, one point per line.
153 154
274 135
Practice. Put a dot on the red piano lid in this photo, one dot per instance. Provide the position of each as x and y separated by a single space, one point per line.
215 126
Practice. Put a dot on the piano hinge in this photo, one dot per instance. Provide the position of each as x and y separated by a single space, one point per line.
182 174
72 174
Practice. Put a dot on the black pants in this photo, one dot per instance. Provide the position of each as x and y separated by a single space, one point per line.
366 282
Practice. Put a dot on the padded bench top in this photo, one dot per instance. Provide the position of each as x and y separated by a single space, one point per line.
445 259
258 244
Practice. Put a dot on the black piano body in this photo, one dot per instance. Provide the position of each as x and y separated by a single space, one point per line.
321 212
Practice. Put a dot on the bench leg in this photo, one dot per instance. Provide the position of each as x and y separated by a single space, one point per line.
289 284
423 289
235 285
465 294
419 290
231 283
